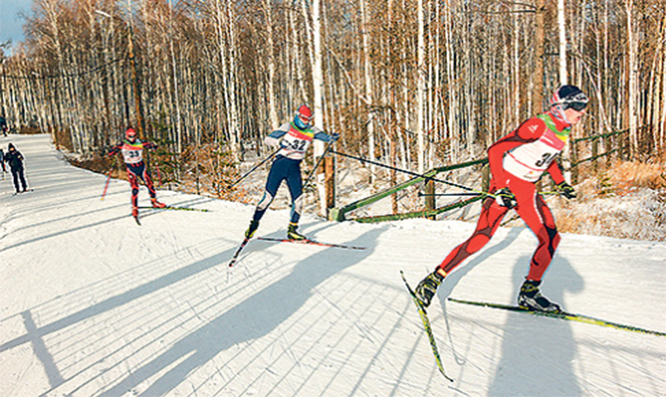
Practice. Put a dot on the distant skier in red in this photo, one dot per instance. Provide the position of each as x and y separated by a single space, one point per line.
132 149
517 161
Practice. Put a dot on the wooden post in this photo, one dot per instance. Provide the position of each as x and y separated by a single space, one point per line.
607 148
595 151
430 197
620 146
485 178
329 178
574 160
393 177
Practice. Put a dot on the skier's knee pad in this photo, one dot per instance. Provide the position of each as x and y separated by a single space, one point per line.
265 201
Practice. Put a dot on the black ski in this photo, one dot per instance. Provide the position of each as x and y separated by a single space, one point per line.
562 316
23 191
238 251
309 242
136 219
427 327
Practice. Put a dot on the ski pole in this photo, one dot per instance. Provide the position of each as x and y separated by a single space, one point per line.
328 148
108 179
474 194
427 178
254 168
449 194
159 174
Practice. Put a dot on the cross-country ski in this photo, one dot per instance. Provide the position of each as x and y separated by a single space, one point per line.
427 328
307 241
562 315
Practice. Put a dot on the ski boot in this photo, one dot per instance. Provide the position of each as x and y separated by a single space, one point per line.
254 225
157 204
428 287
292 234
530 298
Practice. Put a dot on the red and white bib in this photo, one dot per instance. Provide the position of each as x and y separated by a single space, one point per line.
530 161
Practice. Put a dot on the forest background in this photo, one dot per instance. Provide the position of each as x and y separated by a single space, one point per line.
413 83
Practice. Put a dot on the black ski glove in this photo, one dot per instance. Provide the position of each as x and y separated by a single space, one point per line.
566 190
505 198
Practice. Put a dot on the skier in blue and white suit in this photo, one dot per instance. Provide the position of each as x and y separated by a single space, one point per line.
294 138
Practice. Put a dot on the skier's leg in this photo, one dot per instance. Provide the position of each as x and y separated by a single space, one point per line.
151 189
15 179
275 177
535 213
22 179
149 182
489 220
295 185
537 216
134 184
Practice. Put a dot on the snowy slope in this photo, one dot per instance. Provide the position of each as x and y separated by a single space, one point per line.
93 304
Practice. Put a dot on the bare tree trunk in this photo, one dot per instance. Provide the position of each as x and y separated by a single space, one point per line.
318 85
421 71
367 72
632 72
539 53
561 23
452 132
272 112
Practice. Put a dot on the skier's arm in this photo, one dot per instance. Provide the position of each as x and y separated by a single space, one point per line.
273 139
115 149
555 172
322 136
528 132
149 145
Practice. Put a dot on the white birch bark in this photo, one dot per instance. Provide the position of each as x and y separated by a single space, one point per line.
632 72
318 86
561 24
450 70
367 72
421 70
272 111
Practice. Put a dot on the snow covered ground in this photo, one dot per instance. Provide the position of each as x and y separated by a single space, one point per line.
92 304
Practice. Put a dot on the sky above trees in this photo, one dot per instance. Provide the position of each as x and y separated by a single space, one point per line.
11 21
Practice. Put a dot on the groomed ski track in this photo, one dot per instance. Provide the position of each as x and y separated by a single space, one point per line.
91 304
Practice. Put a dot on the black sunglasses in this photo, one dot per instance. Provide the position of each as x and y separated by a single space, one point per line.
578 106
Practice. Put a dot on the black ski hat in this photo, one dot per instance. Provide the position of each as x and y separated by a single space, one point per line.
566 95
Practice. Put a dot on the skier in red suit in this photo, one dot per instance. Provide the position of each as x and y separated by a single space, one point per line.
517 161
132 149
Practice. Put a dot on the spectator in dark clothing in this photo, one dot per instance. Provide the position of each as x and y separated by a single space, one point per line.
15 160
2 161
3 126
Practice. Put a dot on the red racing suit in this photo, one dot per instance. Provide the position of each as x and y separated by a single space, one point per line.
136 168
517 161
